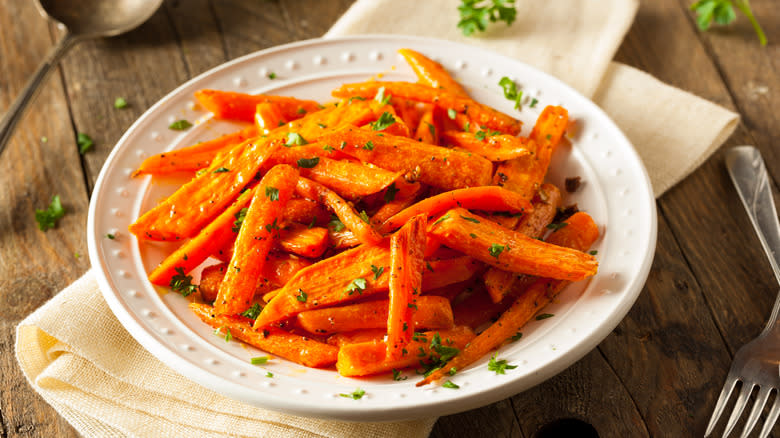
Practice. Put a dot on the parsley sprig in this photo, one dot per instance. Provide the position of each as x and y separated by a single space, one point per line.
476 14
499 366
48 218
182 283
722 13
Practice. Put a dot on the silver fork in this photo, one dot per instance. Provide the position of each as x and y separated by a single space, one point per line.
756 363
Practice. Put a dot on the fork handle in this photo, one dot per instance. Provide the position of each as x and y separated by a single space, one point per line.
748 172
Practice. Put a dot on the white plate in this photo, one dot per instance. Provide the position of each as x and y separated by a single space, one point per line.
616 192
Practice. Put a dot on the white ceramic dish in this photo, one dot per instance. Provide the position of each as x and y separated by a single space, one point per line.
616 192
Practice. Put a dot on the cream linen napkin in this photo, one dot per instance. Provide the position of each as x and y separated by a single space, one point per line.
108 385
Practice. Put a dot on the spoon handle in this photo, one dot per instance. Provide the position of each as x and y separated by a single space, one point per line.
17 108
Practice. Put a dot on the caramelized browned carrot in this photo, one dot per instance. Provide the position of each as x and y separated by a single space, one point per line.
239 106
430 72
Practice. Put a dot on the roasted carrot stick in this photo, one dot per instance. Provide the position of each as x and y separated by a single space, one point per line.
492 147
534 224
525 174
488 198
255 239
479 308
342 239
369 358
580 234
304 241
398 195
276 272
509 250
240 106
268 116
357 336
408 110
196 203
432 313
478 113
299 349
407 249
358 223
430 72
388 121
437 166
428 128
192 158
305 211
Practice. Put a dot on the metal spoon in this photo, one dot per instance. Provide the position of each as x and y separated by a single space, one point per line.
81 19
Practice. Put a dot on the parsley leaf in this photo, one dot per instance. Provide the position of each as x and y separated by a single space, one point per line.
369 146
450 384
470 219
391 192
182 283
262 360
301 296
364 216
722 13
269 374
516 336
221 170
120 103
48 218
272 193
544 316
240 216
397 376
336 224
85 143
355 395
510 91
383 122
499 366
357 285
253 311
180 125
380 96
308 163
442 219
475 14
495 250
272 75
451 113
594 252
377 271
295 139
112 237
556 227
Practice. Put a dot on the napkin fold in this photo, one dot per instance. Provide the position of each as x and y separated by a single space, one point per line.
81 360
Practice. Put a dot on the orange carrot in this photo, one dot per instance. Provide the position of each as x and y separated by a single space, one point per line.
255 239
398 195
489 198
369 358
509 250
478 113
579 235
196 203
428 130
388 121
479 308
433 313
492 147
534 224
408 110
299 349
276 272
343 238
358 223
192 158
437 166
525 174
305 211
304 241
357 336
430 72
407 248
268 116
239 106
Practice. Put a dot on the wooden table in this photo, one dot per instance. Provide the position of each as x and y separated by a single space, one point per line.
658 373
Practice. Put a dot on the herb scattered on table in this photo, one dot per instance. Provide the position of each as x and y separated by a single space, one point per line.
722 13
85 143
476 14
354 395
120 103
48 218
180 125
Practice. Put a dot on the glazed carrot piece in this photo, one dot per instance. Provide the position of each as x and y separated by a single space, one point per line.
330 281
525 174
357 336
197 202
304 241
428 129
268 116
276 272
299 349
358 223
534 224
579 235
255 239
342 239
367 358
407 249
192 158
433 165
398 195
509 250
479 308
492 147
198 249
305 211
480 114
433 313
408 110
488 198
241 107
430 72
387 121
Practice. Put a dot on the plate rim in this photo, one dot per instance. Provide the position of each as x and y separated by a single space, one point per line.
473 400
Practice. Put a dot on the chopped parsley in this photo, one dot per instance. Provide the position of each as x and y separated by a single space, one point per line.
533 103
272 193
221 170
262 360
516 336
364 216
452 371
480 135
182 283
722 13
397 376
475 14
431 129
180 125
380 96
272 226
85 143
269 374
450 384
499 366
308 163
495 249
428 266
556 227
336 224
377 270
470 219
272 75
594 252
112 237
253 311
120 103
369 146
48 218
442 219
354 395
357 285
228 336
328 148
301 296
544 316
441 354
451 113
383 122
295 139
510 91
240 216
390 193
